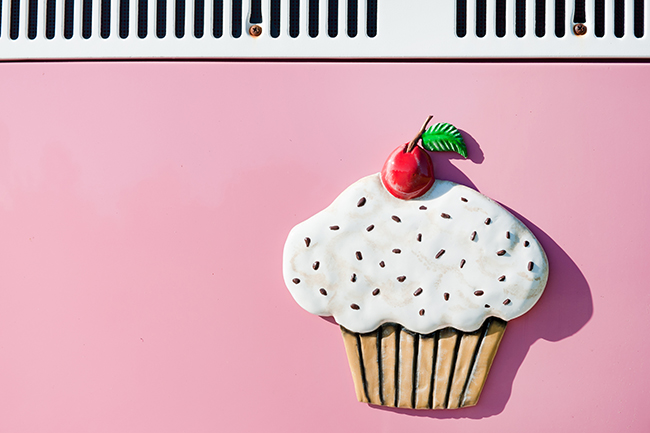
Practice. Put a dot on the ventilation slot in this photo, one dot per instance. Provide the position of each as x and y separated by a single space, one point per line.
371 24
333 18
599 18
481 10
294 18
559 18
540 18
31 26
161 18
353 8
217 29
256 11
50 18
143 15
501 18
236 18
579 16
619 18
86 18
199 11
68 19
179 26
15 19
520 18
638 18
275 18
124 19
105 31
461 18
313 18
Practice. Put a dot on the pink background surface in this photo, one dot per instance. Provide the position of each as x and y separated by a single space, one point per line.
144 207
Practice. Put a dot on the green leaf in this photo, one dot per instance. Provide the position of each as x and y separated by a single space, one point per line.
444 137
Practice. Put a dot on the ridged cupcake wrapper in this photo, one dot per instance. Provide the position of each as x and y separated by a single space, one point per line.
442 370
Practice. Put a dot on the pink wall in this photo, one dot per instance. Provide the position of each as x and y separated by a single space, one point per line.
144 206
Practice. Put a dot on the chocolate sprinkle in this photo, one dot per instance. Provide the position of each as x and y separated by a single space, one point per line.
382 264
370 227
526 243
506 302
296 280
315 265
334 227
375 292
487 306
397 251
445 215
507 235
479 293
440 253
488 221
462 263
422 312
464 199
530 266
307 241
501 252
353 278
361 202
446 296
419 237
354 306
502 278
396 219
473 235
418 292
323 292
359 256
401 278
423 208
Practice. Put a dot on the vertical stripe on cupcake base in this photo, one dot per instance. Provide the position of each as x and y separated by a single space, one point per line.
445 358
424 379
406 370
442 370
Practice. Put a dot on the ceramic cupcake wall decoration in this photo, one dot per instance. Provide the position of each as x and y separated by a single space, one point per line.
422 275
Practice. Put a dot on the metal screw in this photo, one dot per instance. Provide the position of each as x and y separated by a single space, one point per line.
579 29
255 30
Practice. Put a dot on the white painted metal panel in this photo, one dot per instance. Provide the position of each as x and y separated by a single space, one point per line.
418 29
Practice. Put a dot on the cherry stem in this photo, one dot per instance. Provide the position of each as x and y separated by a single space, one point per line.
417 138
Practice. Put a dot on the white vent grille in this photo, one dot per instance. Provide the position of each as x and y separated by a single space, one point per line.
86 29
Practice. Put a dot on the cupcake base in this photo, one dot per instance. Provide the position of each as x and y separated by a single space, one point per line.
442 370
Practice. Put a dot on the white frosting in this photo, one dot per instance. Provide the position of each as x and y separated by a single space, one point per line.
465 309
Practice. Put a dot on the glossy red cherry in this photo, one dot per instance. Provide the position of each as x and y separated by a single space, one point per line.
408 175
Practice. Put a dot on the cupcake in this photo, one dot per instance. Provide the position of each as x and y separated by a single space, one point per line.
422 288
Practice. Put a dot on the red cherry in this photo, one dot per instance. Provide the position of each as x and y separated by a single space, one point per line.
408 175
